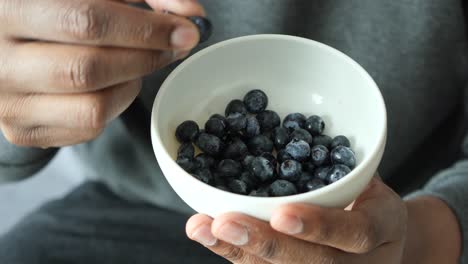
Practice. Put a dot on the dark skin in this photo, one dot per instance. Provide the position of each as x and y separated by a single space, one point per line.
378 228
67 68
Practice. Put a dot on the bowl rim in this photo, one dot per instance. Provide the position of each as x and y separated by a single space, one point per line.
157 141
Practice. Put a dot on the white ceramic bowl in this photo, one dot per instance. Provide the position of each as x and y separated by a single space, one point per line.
298 75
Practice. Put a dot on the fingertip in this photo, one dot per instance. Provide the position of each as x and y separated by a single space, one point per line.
185 37
195 221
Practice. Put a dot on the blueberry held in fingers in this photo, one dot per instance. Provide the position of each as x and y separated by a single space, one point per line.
204 25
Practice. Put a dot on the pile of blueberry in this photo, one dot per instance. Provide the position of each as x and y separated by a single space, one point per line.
248 152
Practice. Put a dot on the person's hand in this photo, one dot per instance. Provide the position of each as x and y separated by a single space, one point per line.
67 68
374 230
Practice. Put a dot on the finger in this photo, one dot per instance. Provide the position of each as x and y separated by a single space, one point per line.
198 228
259 239
105 23
179 7
36 67
358 231
45 137
87 110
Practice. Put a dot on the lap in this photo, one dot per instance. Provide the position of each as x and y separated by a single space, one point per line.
92 225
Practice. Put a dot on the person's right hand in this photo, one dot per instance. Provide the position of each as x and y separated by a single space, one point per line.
68 67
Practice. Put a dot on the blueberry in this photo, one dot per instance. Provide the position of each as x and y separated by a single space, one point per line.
236 122
282 188
290 170
187 131
259 193
210 144
337 172
247 161
268 120
205 28
249 179
315 125
205 161
260 144
187 164
298 149
322 173
256 101
262 169
301 183
238 186
231 136
216 126
282 156
252 127
222 187
204 175
294 121
322 140
268 134
229 168
343 155
340 141
270 157
218 116
186 150
218 179
308 167
280 137
301 134
313 185
236 150
320 155
235 106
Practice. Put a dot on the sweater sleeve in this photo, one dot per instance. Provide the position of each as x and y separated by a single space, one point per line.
451 186
17 163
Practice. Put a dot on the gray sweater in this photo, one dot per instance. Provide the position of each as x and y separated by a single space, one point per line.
414 49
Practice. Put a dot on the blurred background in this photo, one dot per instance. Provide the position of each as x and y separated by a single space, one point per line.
19 198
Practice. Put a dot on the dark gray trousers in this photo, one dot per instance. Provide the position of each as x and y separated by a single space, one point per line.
92 225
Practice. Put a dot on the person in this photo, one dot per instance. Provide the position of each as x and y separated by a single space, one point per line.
87 71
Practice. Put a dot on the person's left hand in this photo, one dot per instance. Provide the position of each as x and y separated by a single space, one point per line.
373 231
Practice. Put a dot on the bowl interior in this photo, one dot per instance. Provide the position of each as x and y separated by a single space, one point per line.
298 75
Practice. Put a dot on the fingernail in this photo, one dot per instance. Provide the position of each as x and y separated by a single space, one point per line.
233 233
288 224
203 236
178 55
184 37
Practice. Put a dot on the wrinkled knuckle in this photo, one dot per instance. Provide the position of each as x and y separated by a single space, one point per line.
366 240
7 113
234 254
80 73
23 137
84 21
145 32
268 249
322 232
93 113
322 257
154 61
